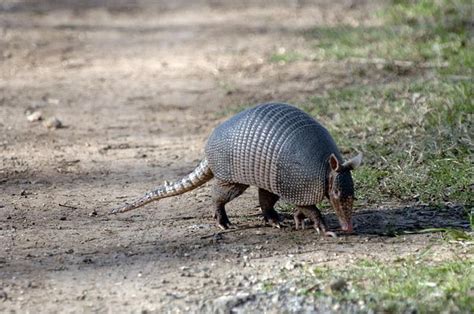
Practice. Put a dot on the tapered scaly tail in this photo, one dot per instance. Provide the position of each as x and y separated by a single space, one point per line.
199 176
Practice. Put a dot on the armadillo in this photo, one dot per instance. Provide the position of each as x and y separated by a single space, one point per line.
281 150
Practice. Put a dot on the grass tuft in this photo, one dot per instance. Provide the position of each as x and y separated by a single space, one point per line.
400 286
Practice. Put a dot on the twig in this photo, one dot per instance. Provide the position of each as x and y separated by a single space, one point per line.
399 63
229 231
67 206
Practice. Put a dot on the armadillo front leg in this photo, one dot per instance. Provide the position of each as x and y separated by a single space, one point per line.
267 201
313 213
222 193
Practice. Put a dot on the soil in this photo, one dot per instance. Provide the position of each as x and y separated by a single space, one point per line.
137 87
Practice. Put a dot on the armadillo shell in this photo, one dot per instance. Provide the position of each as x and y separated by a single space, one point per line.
276 147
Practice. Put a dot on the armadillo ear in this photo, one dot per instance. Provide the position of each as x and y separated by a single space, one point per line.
354 162
334 163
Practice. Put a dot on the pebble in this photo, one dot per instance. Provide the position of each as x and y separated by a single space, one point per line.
3 295
226 303
34 116
53 123
338 285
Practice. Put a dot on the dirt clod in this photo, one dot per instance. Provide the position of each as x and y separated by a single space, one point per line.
35 116
338 285
53 123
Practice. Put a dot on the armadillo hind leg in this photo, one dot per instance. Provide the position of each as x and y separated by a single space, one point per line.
222 193
267 202
313 213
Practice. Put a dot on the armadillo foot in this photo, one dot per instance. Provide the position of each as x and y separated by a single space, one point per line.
322 230
299 218
221 217
313 213
274 223
271 216
303 223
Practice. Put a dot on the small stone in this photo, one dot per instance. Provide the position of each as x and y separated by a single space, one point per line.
7 54
32 285
70 251
3 295
53 101
226 303
290 265
53 123
216 238
34 116
338 285
93 213
87 260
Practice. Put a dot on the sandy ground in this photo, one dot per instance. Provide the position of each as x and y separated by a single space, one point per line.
138 86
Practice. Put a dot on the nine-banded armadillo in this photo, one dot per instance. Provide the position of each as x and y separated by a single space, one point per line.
281 150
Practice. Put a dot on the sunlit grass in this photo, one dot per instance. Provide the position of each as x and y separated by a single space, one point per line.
399 286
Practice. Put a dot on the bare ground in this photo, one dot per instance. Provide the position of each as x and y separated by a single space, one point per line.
139 86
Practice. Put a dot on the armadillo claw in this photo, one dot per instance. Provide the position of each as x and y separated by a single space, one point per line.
275 224
223 226
272 222
300 225
297 225
223 223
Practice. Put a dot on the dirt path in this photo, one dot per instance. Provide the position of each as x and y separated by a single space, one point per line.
138 88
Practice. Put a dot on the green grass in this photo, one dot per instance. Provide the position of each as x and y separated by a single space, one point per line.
415 137
399 286
415 129
437 33
416 134
286 57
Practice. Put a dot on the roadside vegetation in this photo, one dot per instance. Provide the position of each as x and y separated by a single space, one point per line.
401 286
415 130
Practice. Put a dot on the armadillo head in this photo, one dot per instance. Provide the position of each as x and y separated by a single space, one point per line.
341 189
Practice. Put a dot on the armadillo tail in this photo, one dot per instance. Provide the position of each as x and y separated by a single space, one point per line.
199 176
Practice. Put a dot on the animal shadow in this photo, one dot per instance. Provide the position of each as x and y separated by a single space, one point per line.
394 221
